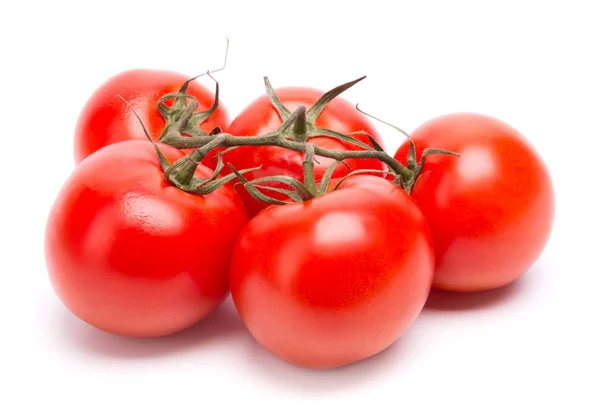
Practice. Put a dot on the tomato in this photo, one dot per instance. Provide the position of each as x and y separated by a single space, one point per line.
336 279
131 254
260 117
491 210
106 119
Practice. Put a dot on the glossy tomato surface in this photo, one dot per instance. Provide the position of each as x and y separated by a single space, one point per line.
336 279
106 119
260 117
131 254
491 210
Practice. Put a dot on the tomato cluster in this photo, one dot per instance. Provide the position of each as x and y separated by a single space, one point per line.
157 224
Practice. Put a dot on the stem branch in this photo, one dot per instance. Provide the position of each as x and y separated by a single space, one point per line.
309 167
274 139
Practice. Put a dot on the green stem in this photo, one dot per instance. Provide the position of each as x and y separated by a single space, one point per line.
309 169
182 171
273 139
317 108
188 112
280 107
300 127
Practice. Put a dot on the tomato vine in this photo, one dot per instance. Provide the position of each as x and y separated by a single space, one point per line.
182 131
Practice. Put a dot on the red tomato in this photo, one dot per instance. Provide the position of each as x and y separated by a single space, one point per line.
336 279
106 119
131 254
260 117
491 210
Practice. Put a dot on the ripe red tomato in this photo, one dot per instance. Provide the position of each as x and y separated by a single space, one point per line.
336 279
106 119
260 117
131 254
491 210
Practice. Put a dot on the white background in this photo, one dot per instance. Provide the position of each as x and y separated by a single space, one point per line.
524 348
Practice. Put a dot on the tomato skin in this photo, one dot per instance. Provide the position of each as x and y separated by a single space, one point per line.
491 210
336 279
105 119
260 117
132 255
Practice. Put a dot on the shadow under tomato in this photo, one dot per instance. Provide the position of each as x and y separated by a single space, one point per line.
224 323
452 301
279 373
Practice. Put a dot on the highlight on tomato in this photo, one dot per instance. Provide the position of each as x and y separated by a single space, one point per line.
327 123
334 278
490 210
131 253
158 96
